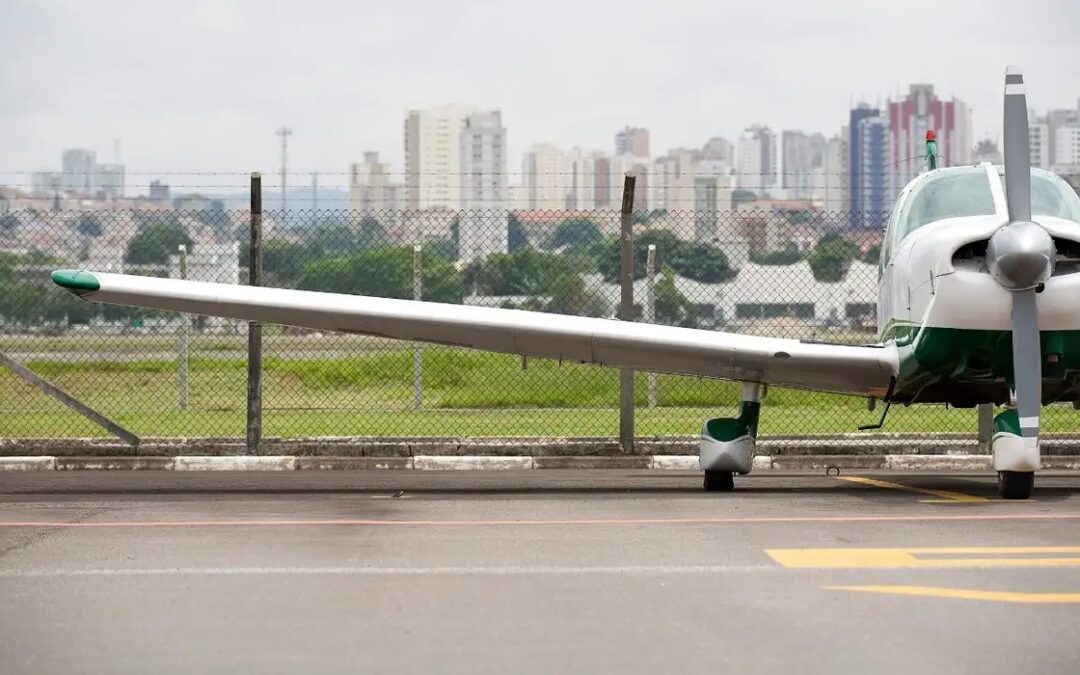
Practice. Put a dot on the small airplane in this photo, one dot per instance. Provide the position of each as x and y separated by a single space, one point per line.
979 303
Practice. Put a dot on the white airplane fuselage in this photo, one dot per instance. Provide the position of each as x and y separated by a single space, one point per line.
950 319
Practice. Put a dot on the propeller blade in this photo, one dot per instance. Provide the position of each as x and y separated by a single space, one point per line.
1027 364
1017 153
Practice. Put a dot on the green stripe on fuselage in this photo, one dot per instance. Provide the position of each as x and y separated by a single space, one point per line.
962 355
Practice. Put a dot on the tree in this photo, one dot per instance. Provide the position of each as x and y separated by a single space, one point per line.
570 296
693 260
88 225
831 258
156 241
789 255
741 196
672 307
524 272
369 234
872 255
575 234
517 238
385 273
9 222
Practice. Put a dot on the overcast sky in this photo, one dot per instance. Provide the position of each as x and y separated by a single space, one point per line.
200 85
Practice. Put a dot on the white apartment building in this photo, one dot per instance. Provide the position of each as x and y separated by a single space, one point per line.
544 177
371 187
583 168
1067 146
433 157
1039 144
755 160
483 229
833 191
78 170
802 154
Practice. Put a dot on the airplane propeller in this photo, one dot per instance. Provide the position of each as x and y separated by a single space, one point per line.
1021 257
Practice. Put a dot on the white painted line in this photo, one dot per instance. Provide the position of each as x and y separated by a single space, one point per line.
44 463
471 463
502 570
235 463
675 463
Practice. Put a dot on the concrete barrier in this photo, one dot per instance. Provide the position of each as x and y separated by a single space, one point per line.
235 463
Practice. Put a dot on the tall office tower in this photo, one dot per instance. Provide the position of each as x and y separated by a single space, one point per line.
543 169
756 159
803 153
915 114
632 141
835 188
78 171
371 188
483 228
433 157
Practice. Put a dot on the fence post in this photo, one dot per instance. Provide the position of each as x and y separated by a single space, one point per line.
418 357
650 311
185 323
254 381
986 428
626 313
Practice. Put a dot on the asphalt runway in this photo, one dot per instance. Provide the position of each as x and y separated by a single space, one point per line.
536 572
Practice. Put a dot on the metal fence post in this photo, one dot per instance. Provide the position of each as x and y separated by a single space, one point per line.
185 322
626 313
418 356
986 428
254 381
650 310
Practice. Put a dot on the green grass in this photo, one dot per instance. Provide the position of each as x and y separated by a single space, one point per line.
467 393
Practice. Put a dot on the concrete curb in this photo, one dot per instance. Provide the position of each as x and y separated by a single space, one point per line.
954 462
27 463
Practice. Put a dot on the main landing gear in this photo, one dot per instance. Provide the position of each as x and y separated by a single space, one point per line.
1015 484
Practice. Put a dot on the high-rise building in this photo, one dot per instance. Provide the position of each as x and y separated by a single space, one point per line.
866 159
371 188
1039 144
45 183
915 114
1067 146
483 229
1055 120
582 169
543 170
835 196
756 159
803 153
433 157
987 150
78 170
632 141
110 180
720 149
159 192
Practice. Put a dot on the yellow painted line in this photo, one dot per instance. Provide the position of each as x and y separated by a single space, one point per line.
970 556
967 594
946 495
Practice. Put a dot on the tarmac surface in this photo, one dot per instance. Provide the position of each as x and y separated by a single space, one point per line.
536 571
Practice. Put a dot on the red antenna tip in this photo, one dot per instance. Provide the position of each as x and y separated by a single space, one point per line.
930 135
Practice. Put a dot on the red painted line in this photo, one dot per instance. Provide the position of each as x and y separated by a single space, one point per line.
499 523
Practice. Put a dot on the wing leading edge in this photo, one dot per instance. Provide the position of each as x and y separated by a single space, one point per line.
846 369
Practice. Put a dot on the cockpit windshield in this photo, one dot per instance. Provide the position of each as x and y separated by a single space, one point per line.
954 193
1051 196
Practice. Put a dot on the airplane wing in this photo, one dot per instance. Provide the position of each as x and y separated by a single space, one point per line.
846 369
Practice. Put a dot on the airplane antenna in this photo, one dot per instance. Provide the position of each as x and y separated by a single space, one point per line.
931 150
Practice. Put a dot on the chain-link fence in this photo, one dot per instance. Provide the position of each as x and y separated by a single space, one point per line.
781 271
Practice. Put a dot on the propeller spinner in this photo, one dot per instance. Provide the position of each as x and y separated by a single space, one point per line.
1020 257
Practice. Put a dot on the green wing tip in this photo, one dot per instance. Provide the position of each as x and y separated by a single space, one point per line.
77 281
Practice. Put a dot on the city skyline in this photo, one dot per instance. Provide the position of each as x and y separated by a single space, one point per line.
693 78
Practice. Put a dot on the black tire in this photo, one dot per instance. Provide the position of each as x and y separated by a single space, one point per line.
1016 484
719 481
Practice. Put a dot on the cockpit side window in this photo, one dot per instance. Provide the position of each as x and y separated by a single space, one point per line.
1051 196
949 194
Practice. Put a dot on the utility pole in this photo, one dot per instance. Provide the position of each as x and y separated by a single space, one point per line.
284 132
626 311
